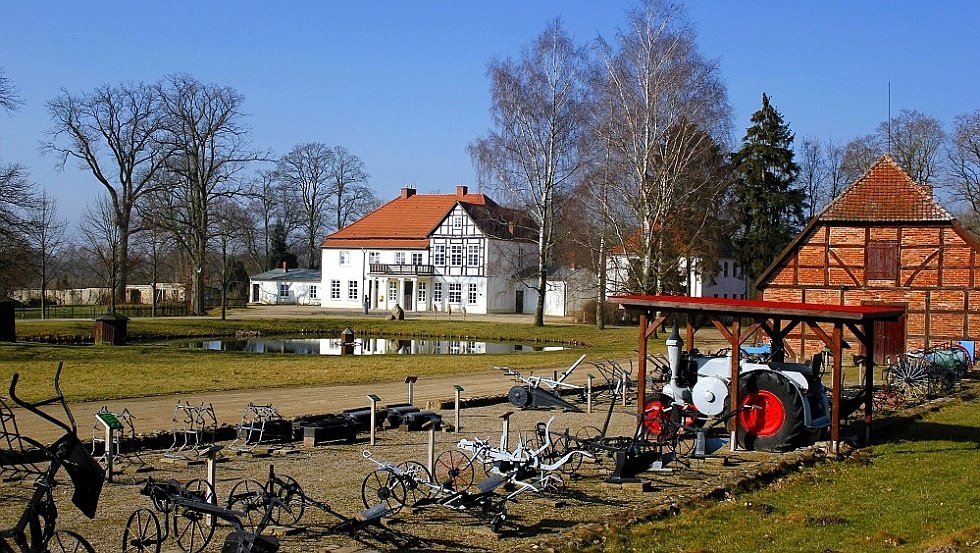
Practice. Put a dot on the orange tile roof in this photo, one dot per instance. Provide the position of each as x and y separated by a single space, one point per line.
405 221
885 194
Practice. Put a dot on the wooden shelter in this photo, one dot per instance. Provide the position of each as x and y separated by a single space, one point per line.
777 320
883 241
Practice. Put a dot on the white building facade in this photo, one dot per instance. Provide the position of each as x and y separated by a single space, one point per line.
430 252
728 282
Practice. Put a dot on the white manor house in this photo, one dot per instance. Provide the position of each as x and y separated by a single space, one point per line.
457 252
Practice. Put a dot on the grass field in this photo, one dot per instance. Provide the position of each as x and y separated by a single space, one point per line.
151 368
915 490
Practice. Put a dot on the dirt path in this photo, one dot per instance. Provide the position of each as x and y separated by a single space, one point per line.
156 414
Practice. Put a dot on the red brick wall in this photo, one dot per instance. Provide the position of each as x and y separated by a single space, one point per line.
937 280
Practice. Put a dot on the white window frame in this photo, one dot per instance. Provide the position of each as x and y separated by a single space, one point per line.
343 258
422 292
416 258
334 289
455 292
437 292
473 255
439 255
457 221
374 257
353 293
283 290
313 292
456 256
399 258
471 293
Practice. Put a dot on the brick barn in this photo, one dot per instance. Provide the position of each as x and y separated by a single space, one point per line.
884 241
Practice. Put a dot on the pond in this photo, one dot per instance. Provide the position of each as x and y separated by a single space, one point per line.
366 346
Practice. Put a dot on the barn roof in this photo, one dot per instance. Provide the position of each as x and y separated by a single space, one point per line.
885 193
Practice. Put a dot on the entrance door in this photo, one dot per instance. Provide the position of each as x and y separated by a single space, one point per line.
519 302
408 302
889 336
255 293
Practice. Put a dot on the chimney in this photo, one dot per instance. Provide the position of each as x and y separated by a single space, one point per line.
462 190
407 192
510 227
284 268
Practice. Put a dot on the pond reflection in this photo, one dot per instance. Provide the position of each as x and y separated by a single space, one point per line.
365 346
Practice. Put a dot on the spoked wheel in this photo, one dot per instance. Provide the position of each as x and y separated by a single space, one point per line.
770 417
192 529
587 433
560 446
910 374
383 487
454 470
519 397
142 532
248 497
291 499
415 481
66 541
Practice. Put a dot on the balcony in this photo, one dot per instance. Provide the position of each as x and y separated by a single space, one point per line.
384 269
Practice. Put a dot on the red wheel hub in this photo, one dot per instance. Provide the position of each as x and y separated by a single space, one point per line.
654 413
762 413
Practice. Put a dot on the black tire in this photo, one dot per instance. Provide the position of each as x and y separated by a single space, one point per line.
771 414
519 397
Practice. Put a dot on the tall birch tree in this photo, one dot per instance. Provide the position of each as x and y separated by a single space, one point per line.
532 153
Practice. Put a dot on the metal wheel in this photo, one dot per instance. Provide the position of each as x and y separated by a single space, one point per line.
248 497
587 433
142 532
560 446
66 541
384 487
911 374
192 529
454 470
291 497
415 480
553 485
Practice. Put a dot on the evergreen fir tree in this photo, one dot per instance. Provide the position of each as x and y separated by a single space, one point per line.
769 207
279 250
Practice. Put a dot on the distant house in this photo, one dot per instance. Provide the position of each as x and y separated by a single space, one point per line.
135 294
569 290
883 241
432 252
285 286
727 282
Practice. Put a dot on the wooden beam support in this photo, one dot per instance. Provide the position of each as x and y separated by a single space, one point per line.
735 339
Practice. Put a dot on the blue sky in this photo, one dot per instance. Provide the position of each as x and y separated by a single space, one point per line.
403 84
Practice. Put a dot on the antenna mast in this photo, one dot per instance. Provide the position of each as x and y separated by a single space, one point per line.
889 118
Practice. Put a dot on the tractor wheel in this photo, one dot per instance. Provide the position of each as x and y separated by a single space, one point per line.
519 397
771 414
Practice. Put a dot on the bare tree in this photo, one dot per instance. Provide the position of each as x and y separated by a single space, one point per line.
963 156
266 209
9 98
306 173
114 133
668 108
914 139
836 179
813 175
532 154
348 187
101 240
203 130
230 220
859 155
45 236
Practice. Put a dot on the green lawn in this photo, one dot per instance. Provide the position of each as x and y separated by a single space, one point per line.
916 490
145 369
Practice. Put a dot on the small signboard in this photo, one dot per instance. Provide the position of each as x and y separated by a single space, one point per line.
109 420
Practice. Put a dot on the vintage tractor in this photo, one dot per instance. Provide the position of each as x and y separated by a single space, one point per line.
781 405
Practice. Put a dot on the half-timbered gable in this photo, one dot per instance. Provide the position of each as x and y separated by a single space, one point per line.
884 241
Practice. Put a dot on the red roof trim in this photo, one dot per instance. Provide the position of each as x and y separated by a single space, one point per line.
769 308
